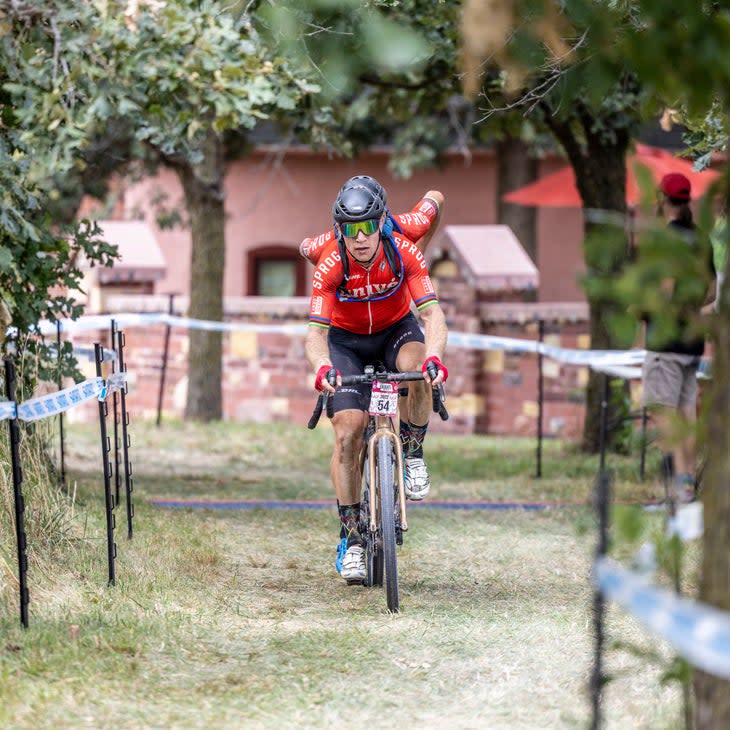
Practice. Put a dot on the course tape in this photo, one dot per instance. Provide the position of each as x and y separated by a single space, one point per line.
247 504
698 632
456 339
45 406
620 363
102 321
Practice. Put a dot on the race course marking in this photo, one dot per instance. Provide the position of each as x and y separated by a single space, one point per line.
327 504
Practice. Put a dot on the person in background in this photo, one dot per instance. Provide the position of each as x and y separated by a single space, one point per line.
718 239
670 368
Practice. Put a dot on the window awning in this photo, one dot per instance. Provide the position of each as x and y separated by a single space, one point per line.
491 258
141 258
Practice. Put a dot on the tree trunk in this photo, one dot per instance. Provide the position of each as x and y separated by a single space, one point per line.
204 197
599 163
515 168
712 694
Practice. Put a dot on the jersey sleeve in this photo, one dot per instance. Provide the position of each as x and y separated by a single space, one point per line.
418 220
325 281
417 279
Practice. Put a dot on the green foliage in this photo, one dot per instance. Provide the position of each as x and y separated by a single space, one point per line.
387 72
39 268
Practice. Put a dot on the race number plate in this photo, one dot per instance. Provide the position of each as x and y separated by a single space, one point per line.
383 399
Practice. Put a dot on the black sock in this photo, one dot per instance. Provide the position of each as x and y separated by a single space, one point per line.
349 523
412 437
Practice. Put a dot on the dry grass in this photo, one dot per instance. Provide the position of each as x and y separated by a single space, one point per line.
237 619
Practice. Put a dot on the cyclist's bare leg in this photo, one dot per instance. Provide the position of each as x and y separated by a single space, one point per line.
418 409
349 426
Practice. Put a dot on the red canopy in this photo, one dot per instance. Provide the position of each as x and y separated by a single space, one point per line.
558 190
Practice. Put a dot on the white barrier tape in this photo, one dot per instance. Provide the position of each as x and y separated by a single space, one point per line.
595 359
8 410
491 342
698 632
619 371
174 321
98 322
116 382
456 339
688 522
49 405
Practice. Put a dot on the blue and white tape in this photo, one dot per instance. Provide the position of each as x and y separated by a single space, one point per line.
45 406
698 632
116 382
8 410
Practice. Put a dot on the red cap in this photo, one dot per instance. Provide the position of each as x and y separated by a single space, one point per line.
677 186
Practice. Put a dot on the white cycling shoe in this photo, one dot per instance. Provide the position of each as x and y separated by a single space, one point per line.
416 480
353 564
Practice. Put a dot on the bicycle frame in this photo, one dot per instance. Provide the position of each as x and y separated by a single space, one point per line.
385 428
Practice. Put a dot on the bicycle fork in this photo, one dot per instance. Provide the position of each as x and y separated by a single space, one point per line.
386 431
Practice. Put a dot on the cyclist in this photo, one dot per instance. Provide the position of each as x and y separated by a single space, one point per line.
418 225
362 290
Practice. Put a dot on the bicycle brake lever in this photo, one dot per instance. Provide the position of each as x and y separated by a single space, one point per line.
328 401
317 412
438 395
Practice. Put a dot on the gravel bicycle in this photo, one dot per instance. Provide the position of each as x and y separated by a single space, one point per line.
383 502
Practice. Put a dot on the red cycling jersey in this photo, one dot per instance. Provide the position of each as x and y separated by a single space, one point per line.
358 308
412 224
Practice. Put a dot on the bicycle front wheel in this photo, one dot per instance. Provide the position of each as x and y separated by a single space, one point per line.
386 505
373 552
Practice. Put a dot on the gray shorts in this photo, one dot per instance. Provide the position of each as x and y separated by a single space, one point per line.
669 379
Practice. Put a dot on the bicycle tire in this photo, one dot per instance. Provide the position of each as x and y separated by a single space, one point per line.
373 553
386 505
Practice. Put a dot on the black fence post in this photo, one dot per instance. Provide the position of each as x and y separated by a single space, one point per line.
115 412
165 350
64 486
106 465
540 396
18 495
603 501
642 457
128 483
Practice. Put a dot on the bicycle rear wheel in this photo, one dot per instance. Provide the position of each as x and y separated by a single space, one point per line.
386 504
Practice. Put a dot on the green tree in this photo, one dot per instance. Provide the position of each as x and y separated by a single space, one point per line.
683 59
178 78
546 61
39 258
680 60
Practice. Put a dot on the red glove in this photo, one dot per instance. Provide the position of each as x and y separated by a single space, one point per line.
322 374
437 363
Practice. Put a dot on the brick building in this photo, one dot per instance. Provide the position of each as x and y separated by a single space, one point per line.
484 278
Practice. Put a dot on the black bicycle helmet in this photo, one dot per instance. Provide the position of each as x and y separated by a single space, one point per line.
368 182
358 203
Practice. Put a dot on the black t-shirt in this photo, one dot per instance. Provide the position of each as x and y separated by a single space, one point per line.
685 340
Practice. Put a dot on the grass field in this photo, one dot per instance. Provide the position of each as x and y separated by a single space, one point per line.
237 619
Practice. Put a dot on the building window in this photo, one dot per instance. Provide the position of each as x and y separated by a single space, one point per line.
276 271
